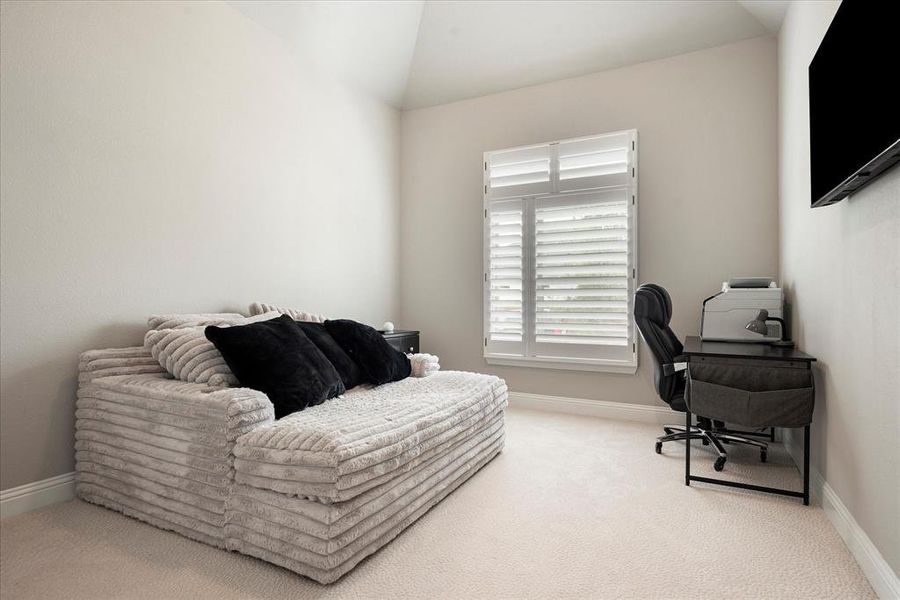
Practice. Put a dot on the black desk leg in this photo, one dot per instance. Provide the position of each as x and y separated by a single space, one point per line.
687 448
806 466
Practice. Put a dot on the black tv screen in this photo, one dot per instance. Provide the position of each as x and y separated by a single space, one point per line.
854 106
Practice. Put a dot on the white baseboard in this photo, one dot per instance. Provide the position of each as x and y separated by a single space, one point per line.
596 408
32 496
880 575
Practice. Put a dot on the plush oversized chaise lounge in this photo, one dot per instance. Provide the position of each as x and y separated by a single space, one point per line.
315 492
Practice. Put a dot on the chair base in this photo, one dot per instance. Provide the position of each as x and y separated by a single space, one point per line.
713 436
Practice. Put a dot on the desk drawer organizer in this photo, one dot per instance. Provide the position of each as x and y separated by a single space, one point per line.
744 393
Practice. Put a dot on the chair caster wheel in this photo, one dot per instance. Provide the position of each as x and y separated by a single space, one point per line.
720 463
659 447
763 456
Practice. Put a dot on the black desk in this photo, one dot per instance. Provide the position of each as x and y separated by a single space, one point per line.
696 350
694 346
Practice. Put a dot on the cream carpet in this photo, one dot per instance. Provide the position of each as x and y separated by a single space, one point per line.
573 507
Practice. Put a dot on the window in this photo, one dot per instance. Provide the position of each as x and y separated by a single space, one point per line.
559 254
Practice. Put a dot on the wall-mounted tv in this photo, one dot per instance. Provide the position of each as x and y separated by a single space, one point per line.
854 107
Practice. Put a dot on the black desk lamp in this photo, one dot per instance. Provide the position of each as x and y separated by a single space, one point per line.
758 325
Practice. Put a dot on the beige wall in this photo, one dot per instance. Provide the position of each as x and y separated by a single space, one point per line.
708 208
162 157
841 267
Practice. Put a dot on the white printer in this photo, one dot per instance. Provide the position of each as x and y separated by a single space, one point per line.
725 315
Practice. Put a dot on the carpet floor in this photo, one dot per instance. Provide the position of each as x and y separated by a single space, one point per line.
574 507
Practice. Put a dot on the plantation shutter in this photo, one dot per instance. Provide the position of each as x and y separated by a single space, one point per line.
560 243
581 275
520 172
504 278
597 162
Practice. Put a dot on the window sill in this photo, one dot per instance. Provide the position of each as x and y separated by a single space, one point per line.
600 366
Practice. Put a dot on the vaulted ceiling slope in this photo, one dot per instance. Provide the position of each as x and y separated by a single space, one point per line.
367 44
413 54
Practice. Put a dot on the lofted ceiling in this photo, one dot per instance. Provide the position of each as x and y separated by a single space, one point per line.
413 54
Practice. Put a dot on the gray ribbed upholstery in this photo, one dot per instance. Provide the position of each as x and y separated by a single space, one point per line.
337 450
373 461
157 448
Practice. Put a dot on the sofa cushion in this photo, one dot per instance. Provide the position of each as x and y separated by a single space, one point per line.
346 368
276 357
377 360
368 436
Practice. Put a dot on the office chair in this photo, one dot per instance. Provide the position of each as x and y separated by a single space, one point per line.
652 313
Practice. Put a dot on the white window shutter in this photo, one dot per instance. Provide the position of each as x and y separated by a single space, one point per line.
581 275
519 172
560 253
505 221
596 162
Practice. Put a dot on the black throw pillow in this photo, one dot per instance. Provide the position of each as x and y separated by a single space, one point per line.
376 359
276 357
345 366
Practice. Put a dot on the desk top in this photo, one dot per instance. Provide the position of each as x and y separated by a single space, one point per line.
694 346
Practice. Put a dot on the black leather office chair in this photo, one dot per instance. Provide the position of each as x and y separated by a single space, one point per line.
652 313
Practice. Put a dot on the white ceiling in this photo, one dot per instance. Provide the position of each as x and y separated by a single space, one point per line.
368 44
769 12
413 54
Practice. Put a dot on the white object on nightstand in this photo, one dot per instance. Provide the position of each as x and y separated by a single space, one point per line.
388 327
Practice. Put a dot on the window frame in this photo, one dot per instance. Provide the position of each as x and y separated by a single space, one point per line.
528 201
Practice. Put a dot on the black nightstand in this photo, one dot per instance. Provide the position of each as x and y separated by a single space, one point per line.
403 340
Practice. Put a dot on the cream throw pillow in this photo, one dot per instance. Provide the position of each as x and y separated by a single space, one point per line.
189 356
258 308
174 321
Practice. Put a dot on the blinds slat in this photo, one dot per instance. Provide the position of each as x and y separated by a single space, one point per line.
614 156
575 306
586 317
599 328
513 261
506 230
614 205
522 168
607 341
576 248
592 171
599 259
602 224
526 178
568 301
612 234
506 252
557 271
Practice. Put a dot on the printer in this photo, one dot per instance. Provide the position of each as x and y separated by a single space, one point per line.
725 315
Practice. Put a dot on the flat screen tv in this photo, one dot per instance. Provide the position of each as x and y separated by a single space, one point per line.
854 106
